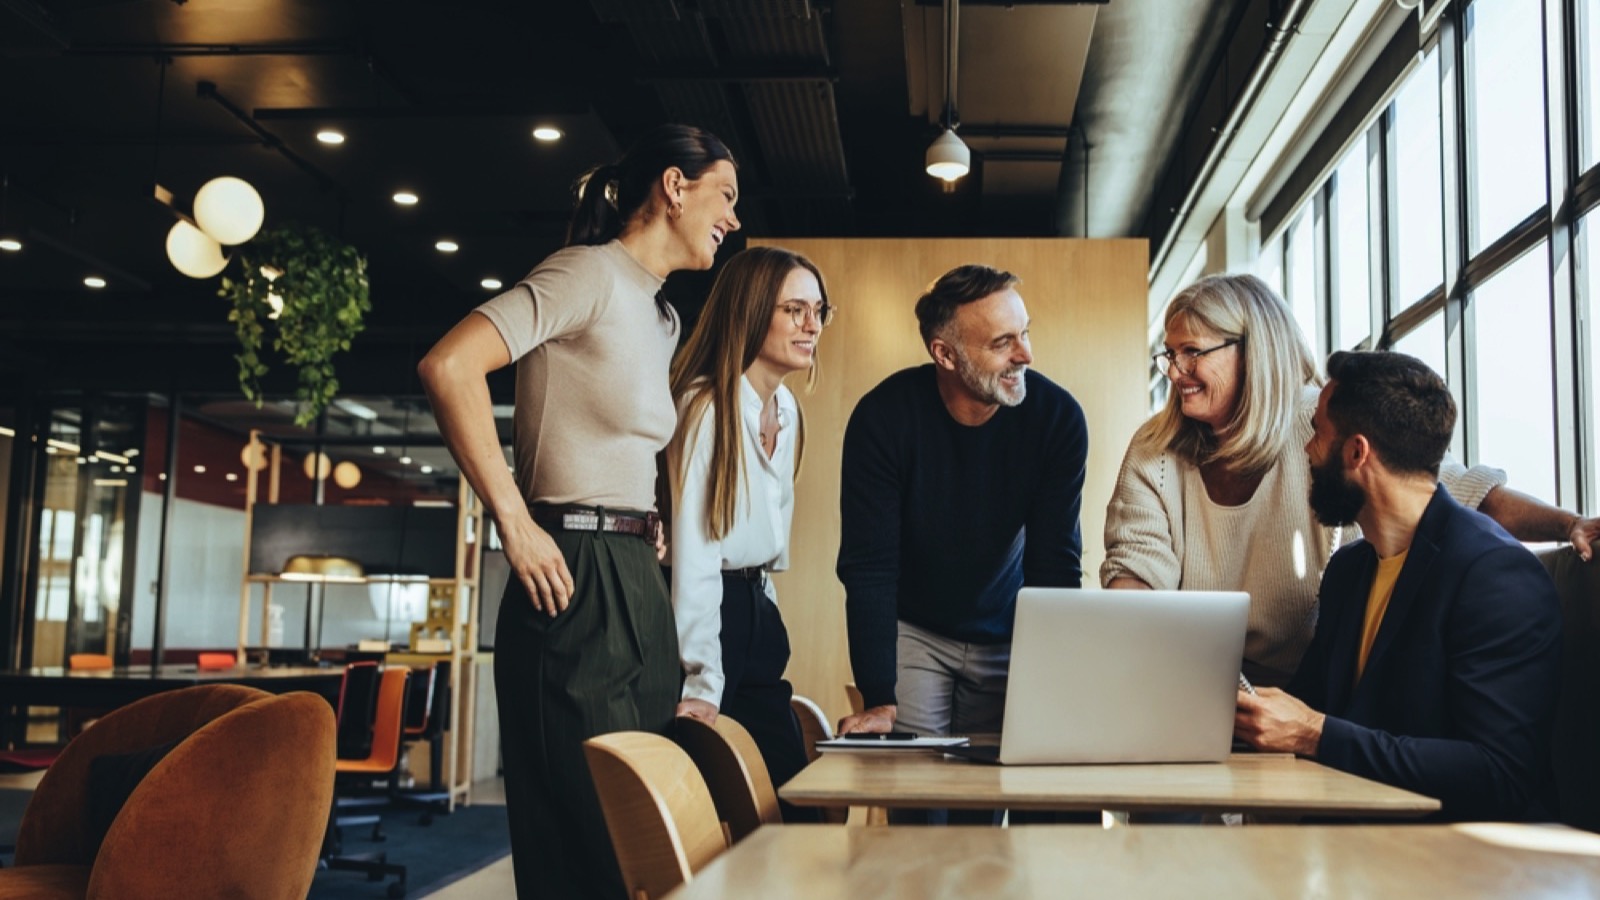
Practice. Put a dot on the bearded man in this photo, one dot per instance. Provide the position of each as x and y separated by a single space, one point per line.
1435 662
962 481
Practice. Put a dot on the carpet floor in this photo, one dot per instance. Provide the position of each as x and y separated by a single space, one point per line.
435 855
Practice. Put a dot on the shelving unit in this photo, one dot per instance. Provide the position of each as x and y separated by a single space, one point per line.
461 621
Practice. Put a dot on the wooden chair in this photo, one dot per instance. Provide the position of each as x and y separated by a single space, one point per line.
814 727
853 693
731 764
658 810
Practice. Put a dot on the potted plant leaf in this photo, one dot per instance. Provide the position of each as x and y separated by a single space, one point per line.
310 292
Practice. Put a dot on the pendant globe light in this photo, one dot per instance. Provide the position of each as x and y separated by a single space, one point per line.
948 157
229 210
193 252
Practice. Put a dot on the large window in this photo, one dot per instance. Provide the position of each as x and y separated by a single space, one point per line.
1301 281
1351 249
1515 423
1590 229
1418 179
1426 342
1370 245
1588 31
1505 116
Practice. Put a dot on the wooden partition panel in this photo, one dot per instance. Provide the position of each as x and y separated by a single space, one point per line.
1087 302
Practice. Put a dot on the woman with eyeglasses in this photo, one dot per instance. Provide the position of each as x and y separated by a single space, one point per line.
1213 490
732 461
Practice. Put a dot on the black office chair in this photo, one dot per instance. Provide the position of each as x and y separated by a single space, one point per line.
427 713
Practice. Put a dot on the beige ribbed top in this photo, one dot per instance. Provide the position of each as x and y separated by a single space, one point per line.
593 404
1163 529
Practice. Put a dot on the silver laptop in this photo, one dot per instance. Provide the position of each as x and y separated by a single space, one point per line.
1100 676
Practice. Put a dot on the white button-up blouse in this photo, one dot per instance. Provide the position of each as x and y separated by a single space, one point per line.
759 535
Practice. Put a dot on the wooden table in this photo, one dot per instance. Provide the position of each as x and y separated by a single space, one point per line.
1247 782
111 688
1078 860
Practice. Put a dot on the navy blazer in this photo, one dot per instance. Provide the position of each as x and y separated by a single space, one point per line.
1459 693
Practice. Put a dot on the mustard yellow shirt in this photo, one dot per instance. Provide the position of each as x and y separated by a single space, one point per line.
1378 604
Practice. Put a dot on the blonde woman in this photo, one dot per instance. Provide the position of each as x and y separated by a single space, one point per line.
733 460
1213 490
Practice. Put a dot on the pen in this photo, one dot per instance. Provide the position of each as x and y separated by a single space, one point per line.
1245 685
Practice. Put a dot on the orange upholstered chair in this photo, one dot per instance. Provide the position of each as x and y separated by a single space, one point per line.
237 807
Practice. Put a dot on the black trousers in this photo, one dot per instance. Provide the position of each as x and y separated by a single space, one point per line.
755 651
609 662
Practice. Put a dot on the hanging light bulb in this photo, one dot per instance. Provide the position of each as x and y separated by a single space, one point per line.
347 475
948 157
317 466
229 210
193 252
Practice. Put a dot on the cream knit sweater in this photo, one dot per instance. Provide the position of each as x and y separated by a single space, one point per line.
1163 529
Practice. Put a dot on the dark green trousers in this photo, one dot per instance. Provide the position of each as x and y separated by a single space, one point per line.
609 662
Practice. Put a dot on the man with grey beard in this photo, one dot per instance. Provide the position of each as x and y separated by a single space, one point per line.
962 481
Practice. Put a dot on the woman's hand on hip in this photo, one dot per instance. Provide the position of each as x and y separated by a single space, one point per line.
538 562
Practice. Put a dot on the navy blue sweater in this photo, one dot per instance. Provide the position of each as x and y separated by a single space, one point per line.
942 523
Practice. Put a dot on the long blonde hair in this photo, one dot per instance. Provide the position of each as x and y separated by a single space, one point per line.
725 341
1277 366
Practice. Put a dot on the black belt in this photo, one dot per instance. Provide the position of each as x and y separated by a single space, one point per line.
757 574
593 518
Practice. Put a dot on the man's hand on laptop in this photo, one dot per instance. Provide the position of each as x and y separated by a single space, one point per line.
1274 721
877 719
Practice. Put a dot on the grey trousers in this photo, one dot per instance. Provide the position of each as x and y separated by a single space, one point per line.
949 687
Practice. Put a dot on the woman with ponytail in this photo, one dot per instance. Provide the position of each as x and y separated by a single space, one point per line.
732 463
585 641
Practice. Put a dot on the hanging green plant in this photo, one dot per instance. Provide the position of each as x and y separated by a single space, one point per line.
310 291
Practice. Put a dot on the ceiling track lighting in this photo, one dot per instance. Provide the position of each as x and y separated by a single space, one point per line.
948 157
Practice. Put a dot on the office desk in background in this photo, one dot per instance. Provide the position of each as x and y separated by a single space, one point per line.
804 861
111 688
1276 784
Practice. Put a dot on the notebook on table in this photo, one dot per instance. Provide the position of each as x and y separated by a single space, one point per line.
1101 676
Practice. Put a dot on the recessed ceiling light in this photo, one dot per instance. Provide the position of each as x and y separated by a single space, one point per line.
446 246
199 470
231 476
380 450
405 460
427 470
10 244
329 136
546 133
405 198
94 281
491 284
